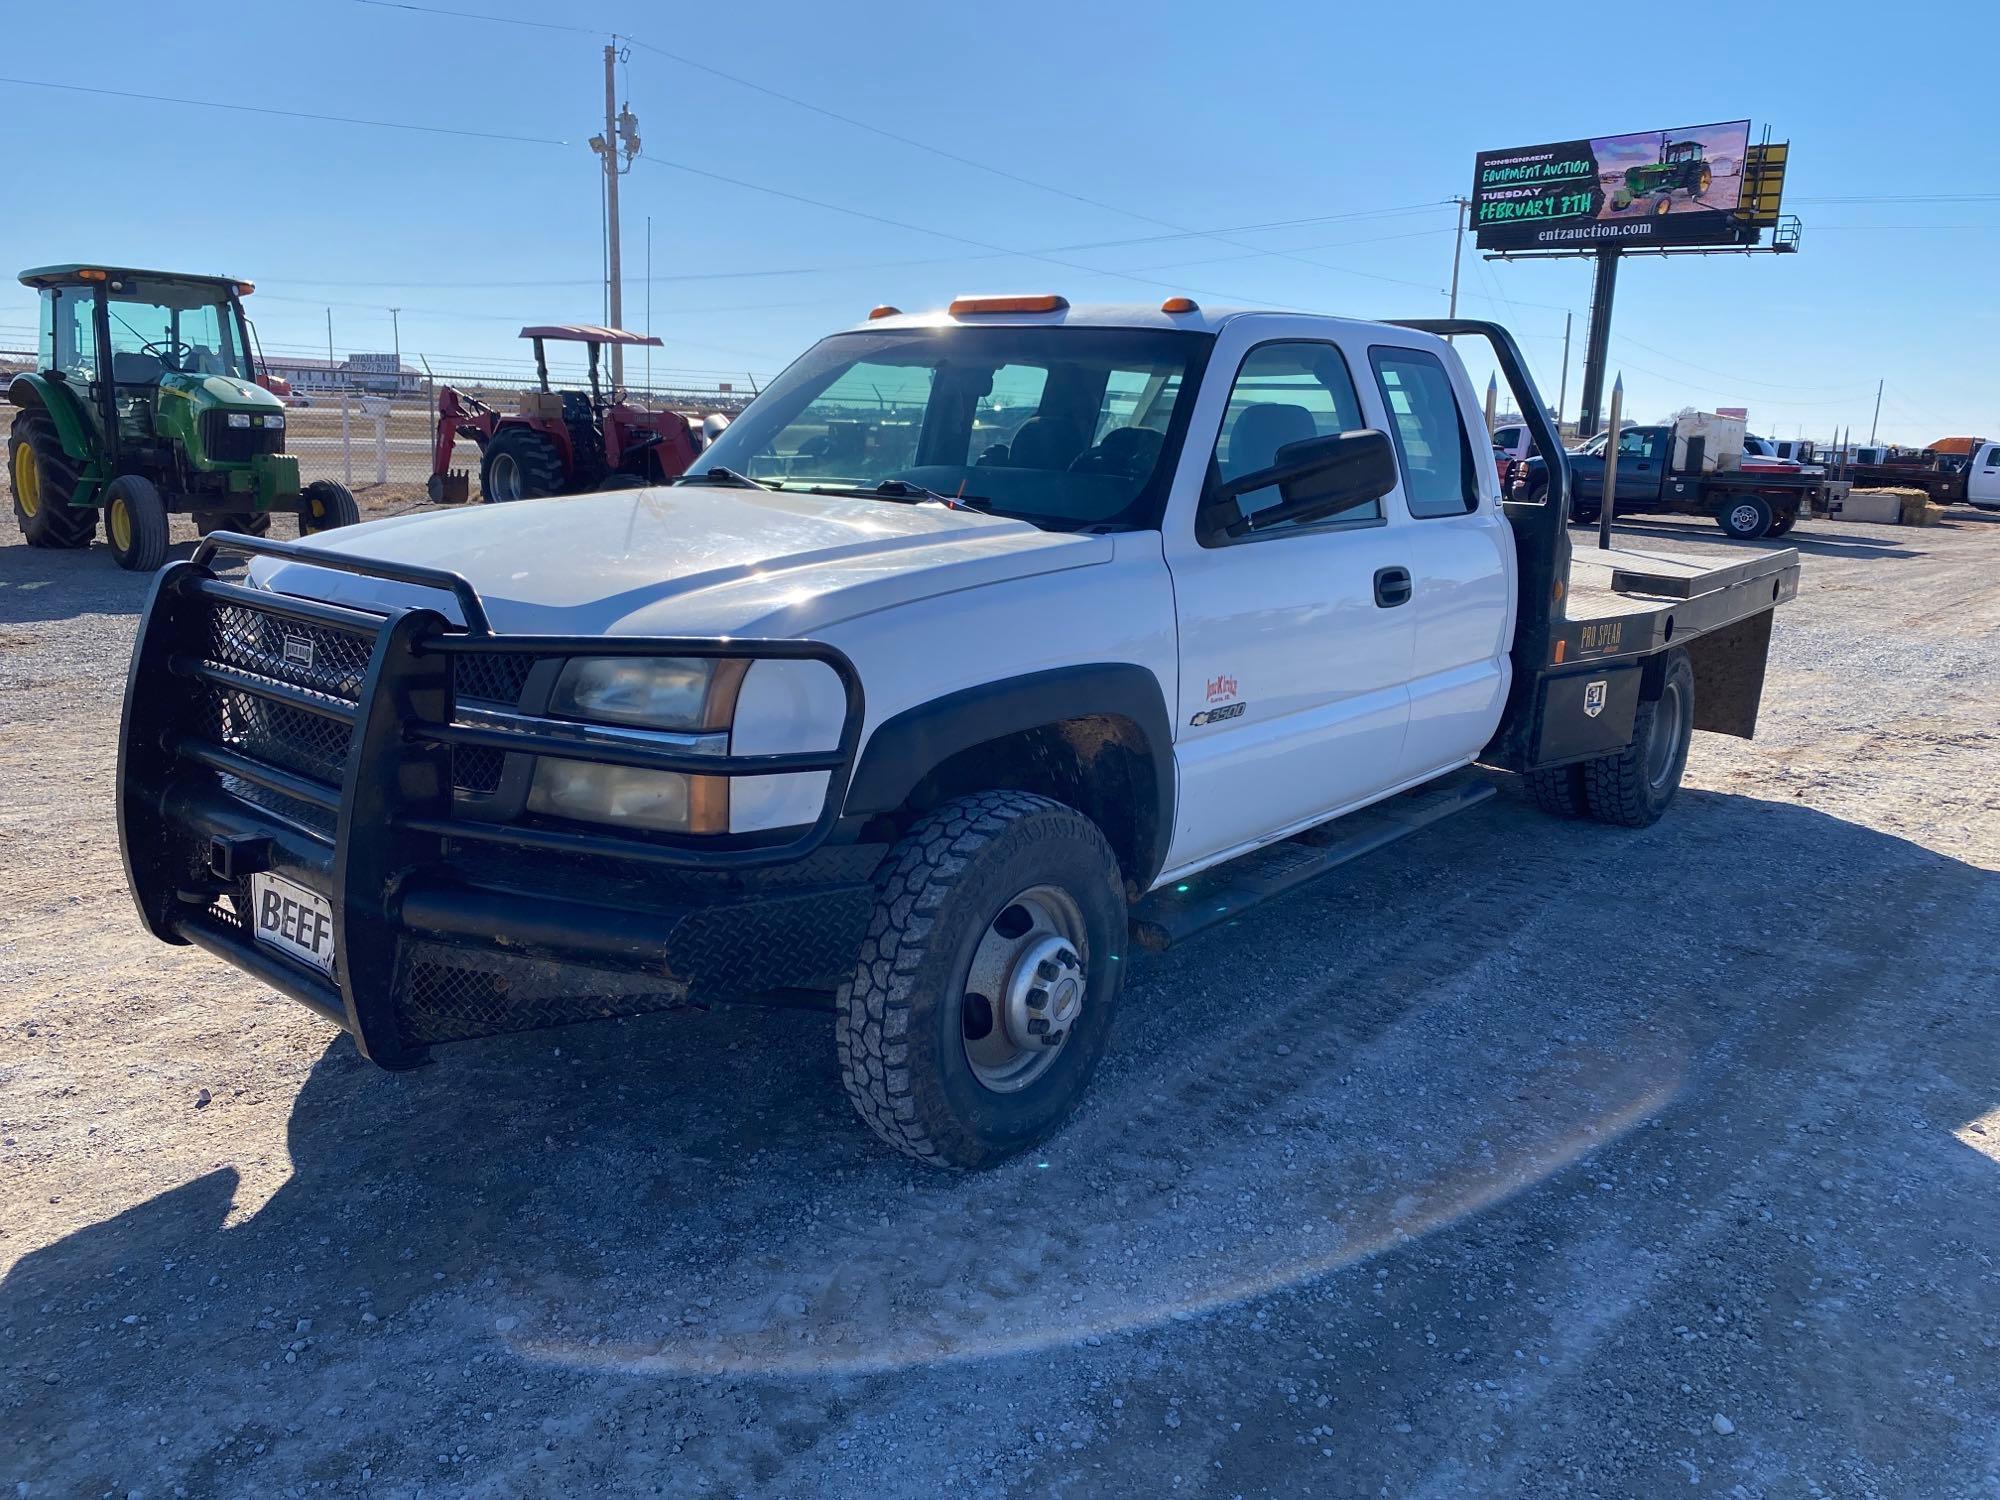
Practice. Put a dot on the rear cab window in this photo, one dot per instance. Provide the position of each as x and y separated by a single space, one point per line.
1432 446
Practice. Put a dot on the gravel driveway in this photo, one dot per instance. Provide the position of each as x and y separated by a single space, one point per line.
1531 1158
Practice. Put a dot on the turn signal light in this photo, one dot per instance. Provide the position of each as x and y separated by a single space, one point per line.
92 275
1043 302
1180 305
245 288
884 311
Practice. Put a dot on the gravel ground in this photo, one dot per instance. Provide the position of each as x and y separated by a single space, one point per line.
1531 1158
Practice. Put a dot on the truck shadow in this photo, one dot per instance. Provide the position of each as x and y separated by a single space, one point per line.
1377 1060
37 584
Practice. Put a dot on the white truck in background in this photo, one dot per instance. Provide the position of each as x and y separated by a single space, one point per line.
986 648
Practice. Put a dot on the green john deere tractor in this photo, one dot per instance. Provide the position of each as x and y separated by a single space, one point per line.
1682 168
145 400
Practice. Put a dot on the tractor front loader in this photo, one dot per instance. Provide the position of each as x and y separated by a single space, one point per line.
559 442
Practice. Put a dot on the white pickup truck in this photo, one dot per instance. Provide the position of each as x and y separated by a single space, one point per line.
986 647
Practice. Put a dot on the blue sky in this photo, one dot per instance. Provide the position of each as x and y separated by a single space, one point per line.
1349 126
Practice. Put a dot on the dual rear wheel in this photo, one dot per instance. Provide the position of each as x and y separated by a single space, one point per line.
1631 787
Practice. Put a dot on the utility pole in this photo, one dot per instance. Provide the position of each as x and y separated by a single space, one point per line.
649 302
1562 394
620 140
396 326
1877 422
1458 250
1608 504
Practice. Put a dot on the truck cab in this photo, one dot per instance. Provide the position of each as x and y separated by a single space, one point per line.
986 649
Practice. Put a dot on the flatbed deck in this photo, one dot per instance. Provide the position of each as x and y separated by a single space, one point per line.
1629 601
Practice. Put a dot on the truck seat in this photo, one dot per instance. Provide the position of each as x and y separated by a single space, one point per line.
1260 431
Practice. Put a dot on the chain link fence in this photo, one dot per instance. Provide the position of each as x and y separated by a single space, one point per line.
377 437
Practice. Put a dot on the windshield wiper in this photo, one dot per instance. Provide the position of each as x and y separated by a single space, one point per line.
720 475
900 489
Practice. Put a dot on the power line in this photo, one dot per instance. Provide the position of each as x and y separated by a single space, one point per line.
467 15
290 114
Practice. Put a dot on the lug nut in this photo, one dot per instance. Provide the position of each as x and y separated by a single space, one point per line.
1054 1038
1046 970
1038 999
1037 1025
1067 957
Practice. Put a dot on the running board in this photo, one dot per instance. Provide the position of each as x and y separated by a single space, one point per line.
1174 913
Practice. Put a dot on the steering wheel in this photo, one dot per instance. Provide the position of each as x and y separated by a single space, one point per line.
172 353
1128 451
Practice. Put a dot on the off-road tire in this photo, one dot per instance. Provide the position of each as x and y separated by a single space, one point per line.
1745 518
243 522
898 1021
1632 788
535 458
54 523
324 505
135 523
1558 790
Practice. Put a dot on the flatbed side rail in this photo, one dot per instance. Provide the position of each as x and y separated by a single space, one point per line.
329 738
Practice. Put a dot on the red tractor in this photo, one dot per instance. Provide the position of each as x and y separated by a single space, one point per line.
559 442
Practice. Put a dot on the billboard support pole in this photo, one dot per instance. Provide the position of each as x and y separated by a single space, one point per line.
1597 342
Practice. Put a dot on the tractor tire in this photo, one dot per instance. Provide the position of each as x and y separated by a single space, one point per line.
44 477
324 505
135 523
243 522
1633 787
1745 518
982 998
1558 791
1665 206
519 464
624 482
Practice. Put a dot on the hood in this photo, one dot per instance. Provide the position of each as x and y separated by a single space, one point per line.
219 390
685 560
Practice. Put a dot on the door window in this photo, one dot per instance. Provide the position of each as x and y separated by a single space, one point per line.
1438 476
69 339
1287 393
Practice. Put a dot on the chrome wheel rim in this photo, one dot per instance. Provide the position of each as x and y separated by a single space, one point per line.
1024 990
504 477
1743 518
1664 738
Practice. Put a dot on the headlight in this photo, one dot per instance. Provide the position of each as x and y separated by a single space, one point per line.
239 419
625 795
274 419
650 691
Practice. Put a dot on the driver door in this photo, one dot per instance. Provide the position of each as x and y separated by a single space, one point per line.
1295 645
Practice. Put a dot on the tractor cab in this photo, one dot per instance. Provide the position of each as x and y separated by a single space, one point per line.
558 442
1681 151
145 400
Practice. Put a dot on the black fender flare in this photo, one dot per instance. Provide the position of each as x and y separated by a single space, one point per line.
909 746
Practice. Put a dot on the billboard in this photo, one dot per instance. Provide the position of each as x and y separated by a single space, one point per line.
1639 192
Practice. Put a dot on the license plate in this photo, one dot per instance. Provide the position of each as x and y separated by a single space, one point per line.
293 920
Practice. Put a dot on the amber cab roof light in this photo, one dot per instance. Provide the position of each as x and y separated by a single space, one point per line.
884 311
245 288
1180 305
1039 303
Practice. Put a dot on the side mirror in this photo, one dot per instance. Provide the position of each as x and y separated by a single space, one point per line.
1315 477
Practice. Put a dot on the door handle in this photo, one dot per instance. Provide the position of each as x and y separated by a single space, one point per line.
1392 587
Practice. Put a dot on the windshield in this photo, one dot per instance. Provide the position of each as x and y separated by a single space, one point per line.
161 326
1062 427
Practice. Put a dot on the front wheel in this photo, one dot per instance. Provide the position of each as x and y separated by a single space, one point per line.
135 522
1633 787
1746 519
325 504
983 994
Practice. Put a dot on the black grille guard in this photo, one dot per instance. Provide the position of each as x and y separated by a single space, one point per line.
390 822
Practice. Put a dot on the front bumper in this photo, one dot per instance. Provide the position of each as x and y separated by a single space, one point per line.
264 733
